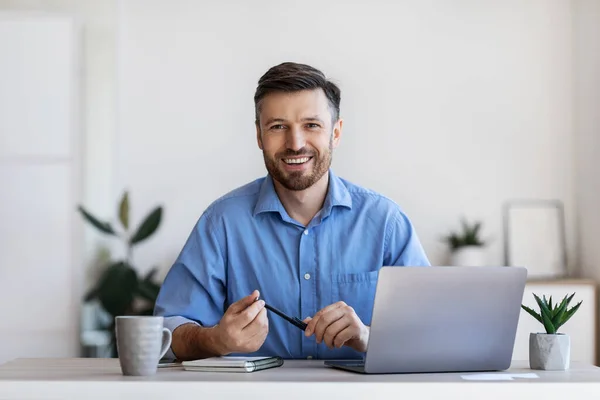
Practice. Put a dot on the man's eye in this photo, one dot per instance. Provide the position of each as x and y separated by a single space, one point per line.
312 126
277 126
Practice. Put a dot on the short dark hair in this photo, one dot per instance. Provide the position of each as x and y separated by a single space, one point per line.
293 77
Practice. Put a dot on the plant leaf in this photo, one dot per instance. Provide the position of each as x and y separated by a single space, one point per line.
150 274
545 313
548 323
558 314
147 227
571 312
541 303
117 288
147 311
101 225
124 210
570 298
91 294
148 290
532 313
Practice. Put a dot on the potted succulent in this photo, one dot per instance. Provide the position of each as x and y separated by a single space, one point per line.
466 247
551 350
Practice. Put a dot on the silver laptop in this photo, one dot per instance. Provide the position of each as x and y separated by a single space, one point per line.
442 319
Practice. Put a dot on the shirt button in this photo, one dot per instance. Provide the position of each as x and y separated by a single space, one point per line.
307 276
306 231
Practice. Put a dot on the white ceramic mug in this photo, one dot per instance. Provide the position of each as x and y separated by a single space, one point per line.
141 342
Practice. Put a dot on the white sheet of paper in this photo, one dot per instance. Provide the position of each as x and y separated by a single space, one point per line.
498 377
528 375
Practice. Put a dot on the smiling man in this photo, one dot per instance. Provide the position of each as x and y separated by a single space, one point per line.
302 239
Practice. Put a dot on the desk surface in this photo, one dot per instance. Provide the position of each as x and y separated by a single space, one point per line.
66 378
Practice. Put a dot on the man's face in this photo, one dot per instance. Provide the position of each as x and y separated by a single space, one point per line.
297 137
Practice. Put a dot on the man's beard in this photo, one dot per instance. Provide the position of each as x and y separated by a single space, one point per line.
299 180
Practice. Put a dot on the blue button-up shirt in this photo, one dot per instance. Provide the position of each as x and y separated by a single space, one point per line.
246 240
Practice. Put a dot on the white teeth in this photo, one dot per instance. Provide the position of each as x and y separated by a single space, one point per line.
296 160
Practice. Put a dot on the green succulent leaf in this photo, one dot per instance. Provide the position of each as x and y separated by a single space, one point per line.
548 325
124 210
560 312
148 227
571 312
469 236
100 225
545 313
532 313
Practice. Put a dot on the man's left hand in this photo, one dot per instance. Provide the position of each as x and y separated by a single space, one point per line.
338 325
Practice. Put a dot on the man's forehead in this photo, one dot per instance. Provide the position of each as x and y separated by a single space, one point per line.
301 104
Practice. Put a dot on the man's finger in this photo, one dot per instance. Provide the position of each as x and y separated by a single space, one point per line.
342 337
329 308
325 320
315 319
335 328
255 326
250 313
244 302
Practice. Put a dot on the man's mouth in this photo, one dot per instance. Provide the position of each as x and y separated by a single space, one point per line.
296 161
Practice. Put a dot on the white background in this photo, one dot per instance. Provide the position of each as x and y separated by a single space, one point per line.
450 108
40 245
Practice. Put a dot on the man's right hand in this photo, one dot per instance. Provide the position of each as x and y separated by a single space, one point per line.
244 327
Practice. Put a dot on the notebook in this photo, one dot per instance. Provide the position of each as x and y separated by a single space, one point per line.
232 364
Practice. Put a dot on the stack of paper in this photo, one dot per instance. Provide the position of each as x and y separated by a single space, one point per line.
232 364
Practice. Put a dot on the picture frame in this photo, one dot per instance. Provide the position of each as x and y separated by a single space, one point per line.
534 237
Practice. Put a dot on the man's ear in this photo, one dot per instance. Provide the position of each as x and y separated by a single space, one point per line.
258 136
337 133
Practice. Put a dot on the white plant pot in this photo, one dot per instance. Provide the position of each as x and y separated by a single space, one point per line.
468 256
549 351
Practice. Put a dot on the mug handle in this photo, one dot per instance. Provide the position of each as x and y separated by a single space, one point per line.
166 342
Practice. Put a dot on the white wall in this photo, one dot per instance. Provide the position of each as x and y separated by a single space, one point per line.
477 96
450 108
587 128
98 102
40 255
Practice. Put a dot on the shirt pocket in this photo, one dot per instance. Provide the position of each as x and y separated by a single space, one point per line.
356 290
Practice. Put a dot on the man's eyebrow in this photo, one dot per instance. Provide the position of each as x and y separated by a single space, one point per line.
315 118
281 120
271 120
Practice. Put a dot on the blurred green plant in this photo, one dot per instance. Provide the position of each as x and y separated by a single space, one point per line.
120 290
469 236
553 316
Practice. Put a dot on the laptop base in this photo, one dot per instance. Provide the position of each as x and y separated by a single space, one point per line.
348 365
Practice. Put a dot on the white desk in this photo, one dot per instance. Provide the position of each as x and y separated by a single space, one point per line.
307 380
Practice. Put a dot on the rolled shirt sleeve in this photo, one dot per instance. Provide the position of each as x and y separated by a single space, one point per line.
194 289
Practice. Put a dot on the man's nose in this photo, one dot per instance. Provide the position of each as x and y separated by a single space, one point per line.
295 139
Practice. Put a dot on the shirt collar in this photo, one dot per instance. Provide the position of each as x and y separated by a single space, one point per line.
337 195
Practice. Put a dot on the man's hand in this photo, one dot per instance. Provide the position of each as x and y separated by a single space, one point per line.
338 325
244 327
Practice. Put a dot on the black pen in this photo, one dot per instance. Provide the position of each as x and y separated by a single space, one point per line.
292 320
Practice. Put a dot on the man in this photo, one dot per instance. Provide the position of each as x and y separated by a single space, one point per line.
302 239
